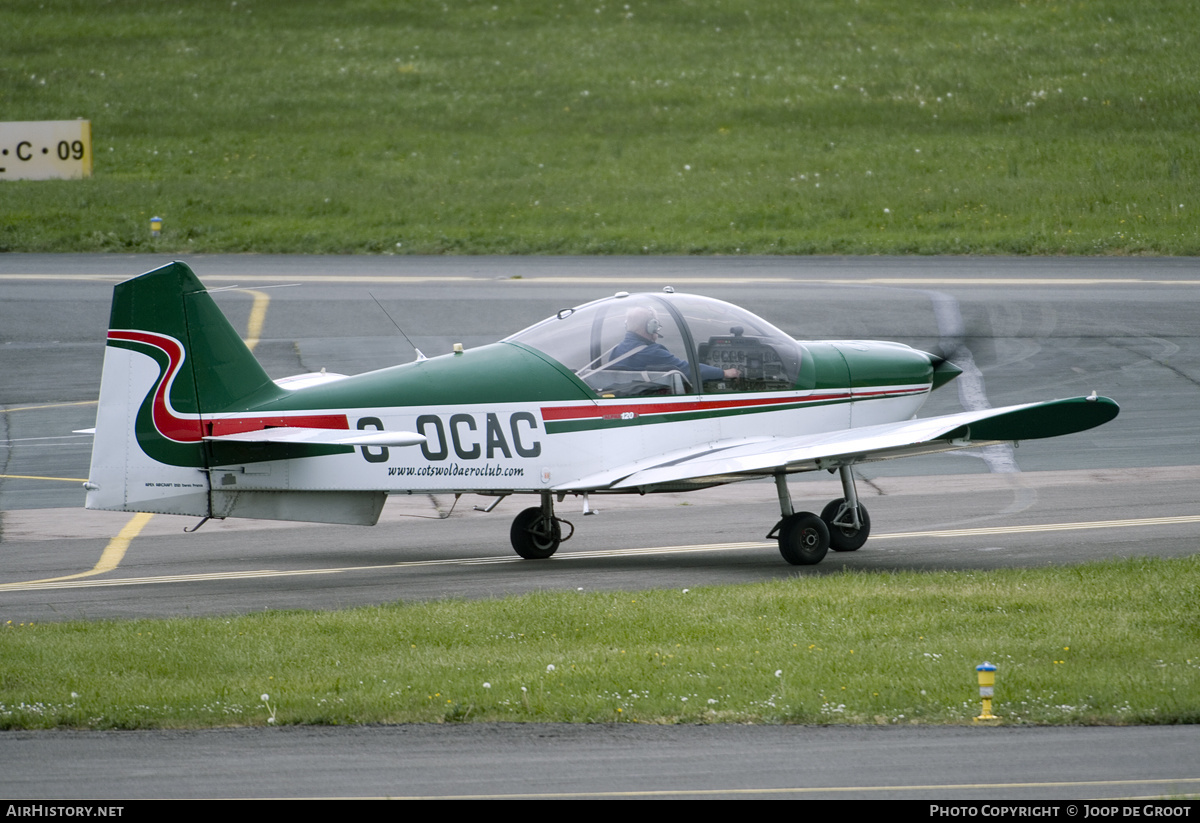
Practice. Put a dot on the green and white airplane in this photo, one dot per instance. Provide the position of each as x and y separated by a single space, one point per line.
585 402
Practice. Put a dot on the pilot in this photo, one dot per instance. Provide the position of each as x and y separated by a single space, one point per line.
640 351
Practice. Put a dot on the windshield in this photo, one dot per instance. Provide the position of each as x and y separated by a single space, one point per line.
647 344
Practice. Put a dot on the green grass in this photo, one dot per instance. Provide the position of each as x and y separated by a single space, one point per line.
1113 642
557 126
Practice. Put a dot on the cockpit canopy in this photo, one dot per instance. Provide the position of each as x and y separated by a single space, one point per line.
633 345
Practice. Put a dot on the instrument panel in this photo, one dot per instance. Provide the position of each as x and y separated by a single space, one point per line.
761 367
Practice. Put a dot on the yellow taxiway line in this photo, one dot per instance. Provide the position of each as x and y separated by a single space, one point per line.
42 477
50 406
110 558
258 315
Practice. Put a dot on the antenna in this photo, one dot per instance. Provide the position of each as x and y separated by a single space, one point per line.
420 356
259 288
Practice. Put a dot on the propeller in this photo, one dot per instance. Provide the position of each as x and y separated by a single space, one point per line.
953 357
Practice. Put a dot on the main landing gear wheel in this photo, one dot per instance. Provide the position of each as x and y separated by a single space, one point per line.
803 539
846 538
535 536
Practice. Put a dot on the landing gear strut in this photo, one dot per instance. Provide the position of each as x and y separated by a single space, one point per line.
803 537
536 533
847 519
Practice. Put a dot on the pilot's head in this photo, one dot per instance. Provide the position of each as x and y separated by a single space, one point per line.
642 321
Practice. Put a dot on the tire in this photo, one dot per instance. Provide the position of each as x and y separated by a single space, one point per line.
803 539
530 536
842 539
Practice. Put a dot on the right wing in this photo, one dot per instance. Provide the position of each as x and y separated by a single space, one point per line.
725 462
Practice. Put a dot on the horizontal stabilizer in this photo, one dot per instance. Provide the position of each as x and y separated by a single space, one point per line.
325 437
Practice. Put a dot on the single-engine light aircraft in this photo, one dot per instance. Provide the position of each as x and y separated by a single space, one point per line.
634 393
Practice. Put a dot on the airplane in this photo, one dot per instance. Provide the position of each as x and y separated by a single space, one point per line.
586 402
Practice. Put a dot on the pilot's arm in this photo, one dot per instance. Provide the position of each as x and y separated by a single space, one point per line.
708 372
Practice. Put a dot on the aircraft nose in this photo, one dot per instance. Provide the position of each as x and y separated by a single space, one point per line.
943 370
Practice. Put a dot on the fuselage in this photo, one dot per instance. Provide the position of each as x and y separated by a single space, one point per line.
507 417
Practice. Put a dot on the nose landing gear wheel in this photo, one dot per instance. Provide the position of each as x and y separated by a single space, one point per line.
803 539
846 538
535 536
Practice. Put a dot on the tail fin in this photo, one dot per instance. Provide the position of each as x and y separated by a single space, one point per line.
172 359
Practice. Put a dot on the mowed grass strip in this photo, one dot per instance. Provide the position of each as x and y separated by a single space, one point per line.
1112 642
559 126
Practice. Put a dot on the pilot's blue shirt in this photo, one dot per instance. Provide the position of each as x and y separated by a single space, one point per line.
654 357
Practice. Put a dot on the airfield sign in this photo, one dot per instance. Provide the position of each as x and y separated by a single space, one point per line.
46 150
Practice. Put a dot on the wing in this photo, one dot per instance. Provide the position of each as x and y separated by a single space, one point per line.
727 462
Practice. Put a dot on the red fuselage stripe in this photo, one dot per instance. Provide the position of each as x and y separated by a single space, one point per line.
550 414
192 430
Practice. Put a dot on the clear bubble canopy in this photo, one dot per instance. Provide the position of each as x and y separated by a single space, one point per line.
634 345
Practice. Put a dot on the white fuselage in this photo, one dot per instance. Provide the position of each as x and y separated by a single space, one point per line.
584 445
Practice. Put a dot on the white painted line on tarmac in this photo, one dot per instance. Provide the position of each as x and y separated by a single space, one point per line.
740 279
1047 527
836 790
72 583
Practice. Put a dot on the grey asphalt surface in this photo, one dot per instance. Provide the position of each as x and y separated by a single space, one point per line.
609 761
1037 329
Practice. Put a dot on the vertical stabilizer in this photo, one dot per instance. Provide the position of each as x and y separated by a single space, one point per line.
171 359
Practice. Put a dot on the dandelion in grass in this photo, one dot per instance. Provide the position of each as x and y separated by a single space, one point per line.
266 699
